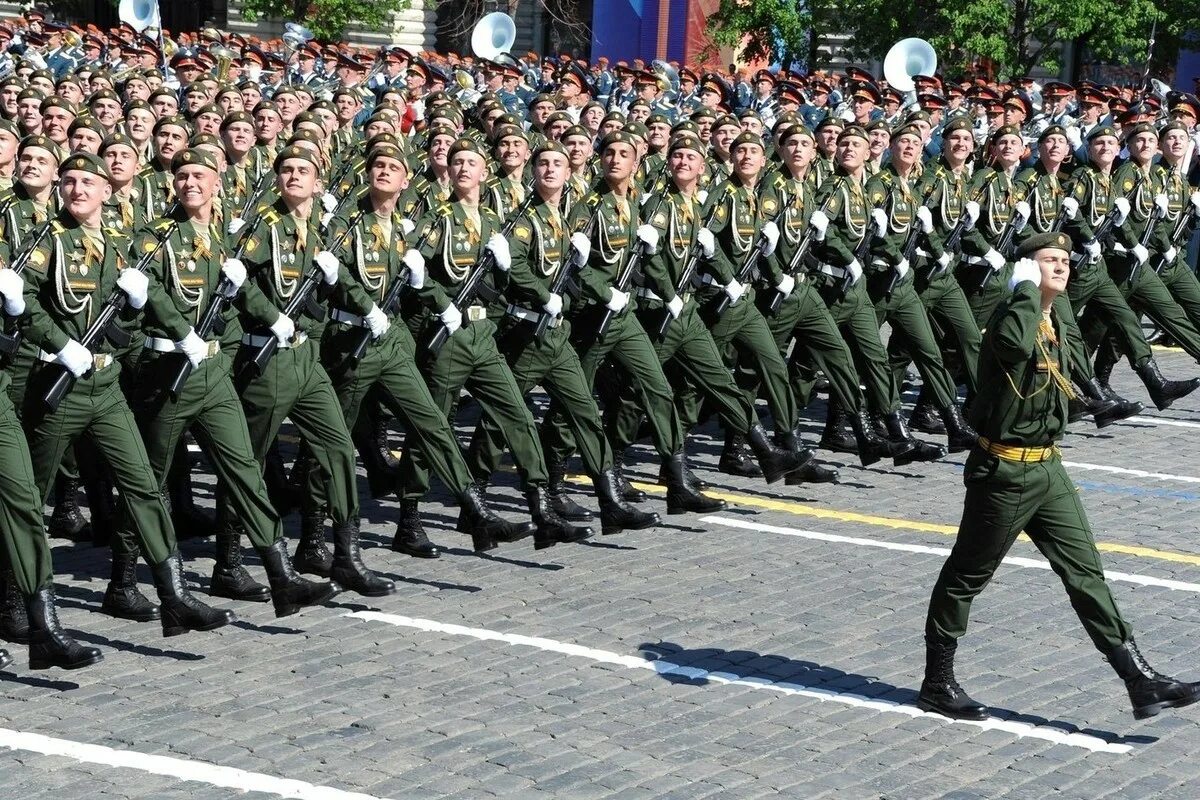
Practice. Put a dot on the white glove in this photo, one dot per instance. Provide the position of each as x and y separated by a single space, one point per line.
135 285
649 238
283 328
1025 270
618 301
553 306
944 260
971 209
193 347
1075 138
1161 206
234 271
582 247
1169 255
879 218
645 199
377 321
702 196
1020 216
416 267
451 317
408 226
902 268
329 202
326 218
707 242
1071 206
734 290
855 269
236 224
994 260
13 289
1195 201
75 357
1092 249
1140 253
328 263
497 245
819 223
675 306
786 286
925 218
1122 207
770 232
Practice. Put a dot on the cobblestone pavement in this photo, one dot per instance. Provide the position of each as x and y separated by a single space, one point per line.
772 649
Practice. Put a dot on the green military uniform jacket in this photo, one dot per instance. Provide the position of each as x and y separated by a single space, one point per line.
614 240
997 195
677 219
1045 202
737 217
1095 191
453 244
19 215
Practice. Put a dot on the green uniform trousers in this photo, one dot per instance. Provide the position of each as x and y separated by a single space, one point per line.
689 347
1145 294
469 360
819 344
25 548
742 335
950 315
96 409
554 364
1181 282
983 298
1094 295
390 366
18 369
909 320
627 344
855 318
1003 498
209 407
295 386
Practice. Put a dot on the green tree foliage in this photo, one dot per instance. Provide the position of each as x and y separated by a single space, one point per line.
770 30
327 19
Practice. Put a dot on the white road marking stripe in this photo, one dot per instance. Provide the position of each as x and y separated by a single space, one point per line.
1178 423
184 769
1015 561
664 667
1137 473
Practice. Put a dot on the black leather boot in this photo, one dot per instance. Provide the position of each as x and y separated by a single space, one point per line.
960 435
921 451
560 501
67 521
682 496
383 447
14 623
278 488
810 471
485 526
1102 367
371 441
1104 407
925 418
410 537
615 514
181 611
312 554
49 644
122 598
871 446
1162 391
834 438
630 494
230 579
5 658
735 458
775 463
349 571
940 691
189 521
1149 691
289 591
551 528
693 480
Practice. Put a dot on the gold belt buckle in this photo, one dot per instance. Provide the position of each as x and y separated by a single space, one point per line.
101 361
214 347
476 313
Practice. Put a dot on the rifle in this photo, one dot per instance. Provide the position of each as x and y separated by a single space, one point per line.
391 303
631 267
470 287
1110 219
910 242
1004 246
689 270
104 320
561 280
863 248
213 319
1151 224
1178 236
743 274
303 296
260 186
798 257
10 342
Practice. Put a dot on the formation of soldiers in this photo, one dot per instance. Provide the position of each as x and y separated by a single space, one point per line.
299 232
